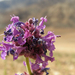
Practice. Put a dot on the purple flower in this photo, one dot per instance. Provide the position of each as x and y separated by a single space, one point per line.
3 55
8 38
44 64
26 39
50 39
24 63
15 31
34 66
7 45
27 34
38 60
4 49
19 49
15 19
41 26
48 58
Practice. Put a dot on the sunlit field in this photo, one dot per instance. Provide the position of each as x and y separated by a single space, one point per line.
64 54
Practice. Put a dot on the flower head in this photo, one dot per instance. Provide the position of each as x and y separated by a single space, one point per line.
26 39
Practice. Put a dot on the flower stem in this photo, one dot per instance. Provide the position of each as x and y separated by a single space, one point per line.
28 66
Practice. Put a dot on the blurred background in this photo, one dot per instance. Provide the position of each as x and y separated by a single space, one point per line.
61 21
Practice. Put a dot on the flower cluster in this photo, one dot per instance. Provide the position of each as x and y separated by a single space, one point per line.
26 39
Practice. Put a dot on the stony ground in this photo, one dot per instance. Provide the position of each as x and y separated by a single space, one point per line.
64 54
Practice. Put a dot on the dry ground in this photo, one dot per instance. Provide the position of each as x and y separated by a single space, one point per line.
64 54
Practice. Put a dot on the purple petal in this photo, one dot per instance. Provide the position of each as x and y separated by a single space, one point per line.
27 34
7 46
3 55
21 41
48 58
51 47
19 49
41 26
50 39
43 18
44 64
44 27
15 56
15 32
15 19
51 53
35 66
8 38
24 63
49 34
38 60
1 48
9 27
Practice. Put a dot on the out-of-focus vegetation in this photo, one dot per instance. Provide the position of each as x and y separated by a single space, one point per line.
60 13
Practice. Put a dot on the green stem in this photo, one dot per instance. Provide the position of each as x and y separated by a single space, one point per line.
28 66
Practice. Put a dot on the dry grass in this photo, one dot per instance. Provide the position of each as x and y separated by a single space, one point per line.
64 64
64 54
